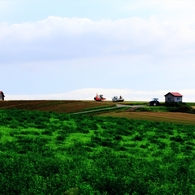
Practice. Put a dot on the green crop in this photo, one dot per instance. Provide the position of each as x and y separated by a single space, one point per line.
48 153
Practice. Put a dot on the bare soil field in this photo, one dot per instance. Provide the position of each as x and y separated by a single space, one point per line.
69 106
60 106
175 117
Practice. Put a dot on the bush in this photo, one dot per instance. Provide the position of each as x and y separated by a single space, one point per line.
179 107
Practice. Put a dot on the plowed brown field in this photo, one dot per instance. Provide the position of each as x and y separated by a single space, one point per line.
66 106
175 117
54 105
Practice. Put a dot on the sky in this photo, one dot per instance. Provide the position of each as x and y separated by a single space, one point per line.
73 49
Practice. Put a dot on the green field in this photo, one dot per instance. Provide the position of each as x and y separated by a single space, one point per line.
48 153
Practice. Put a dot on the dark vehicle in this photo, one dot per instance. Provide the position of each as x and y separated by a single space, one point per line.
2 95
154 102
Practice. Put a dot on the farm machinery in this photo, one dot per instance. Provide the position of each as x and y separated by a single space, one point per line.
99 98
154 102
117 99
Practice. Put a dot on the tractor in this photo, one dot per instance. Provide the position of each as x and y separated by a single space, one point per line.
154 102
99 97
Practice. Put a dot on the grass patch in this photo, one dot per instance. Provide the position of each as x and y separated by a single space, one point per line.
57 152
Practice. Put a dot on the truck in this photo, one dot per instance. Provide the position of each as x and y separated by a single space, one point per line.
117 99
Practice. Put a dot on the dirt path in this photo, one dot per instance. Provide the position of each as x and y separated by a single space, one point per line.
95 110
110 108
130 106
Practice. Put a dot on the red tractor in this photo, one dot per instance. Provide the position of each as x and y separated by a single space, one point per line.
99 97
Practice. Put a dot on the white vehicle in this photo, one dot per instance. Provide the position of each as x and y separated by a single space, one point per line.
117 99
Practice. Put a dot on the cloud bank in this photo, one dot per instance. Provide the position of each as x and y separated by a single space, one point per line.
146 54
68 38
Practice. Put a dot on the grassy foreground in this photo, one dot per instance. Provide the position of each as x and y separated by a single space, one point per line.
47 153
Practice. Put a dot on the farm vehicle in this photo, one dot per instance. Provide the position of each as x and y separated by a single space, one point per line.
99 98
154 102
117 99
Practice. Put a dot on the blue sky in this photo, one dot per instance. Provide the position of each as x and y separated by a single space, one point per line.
73 49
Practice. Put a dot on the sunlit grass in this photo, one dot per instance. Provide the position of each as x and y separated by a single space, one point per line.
100 155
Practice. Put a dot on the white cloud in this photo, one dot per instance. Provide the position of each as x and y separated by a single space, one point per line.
142 49
60 38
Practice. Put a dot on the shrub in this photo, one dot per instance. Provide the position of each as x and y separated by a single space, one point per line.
179 107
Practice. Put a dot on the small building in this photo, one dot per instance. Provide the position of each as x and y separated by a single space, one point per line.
2 96
173 97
